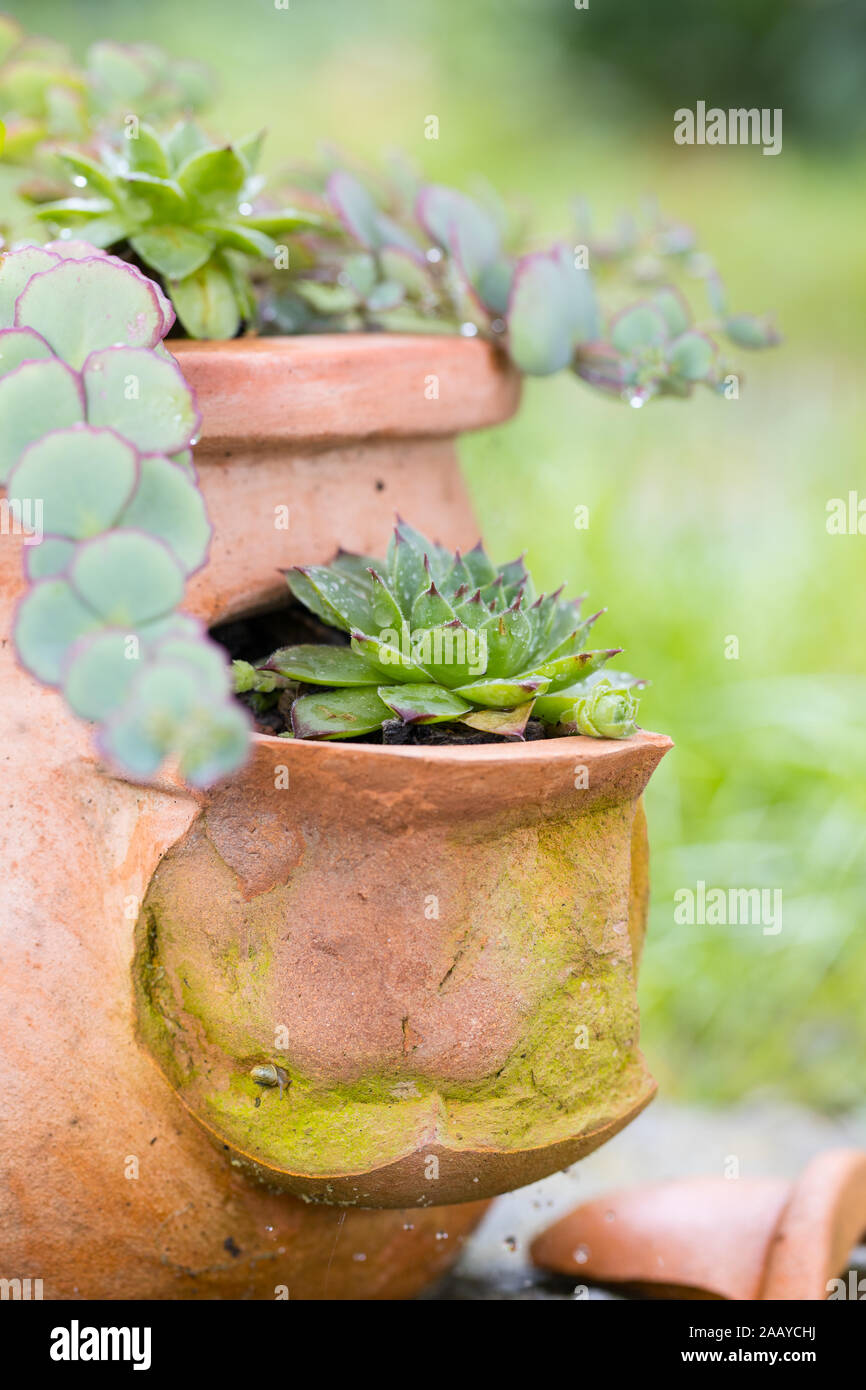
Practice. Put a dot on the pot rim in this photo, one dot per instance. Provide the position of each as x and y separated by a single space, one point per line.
533 751
358 342
328 388
606 753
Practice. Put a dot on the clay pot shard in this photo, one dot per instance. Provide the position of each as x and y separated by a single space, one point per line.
703 1238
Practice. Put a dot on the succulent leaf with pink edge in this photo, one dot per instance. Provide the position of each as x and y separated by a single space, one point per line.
427 258
96 422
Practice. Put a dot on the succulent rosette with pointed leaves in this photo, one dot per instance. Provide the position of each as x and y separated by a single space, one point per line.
96 424
184 207
439 638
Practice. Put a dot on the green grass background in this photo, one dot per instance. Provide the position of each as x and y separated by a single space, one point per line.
707 518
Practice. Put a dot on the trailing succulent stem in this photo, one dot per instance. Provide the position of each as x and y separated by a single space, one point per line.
423 257
96 424
439 638
339 249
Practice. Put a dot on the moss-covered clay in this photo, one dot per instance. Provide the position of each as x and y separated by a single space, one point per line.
447 990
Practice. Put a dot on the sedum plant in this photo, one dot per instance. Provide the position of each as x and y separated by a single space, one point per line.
418 257
96 424
102 168
359 252
183 207
46 96
441 638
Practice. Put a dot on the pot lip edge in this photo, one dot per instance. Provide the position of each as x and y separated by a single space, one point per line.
487 384
609 1129
502 757
502 754
357 343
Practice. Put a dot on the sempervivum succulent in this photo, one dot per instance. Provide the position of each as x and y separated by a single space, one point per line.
440 638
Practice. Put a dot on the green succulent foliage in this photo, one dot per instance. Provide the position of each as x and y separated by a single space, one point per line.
442 638
95 427
183 207
604 709
142 77
46 96
652 350
425 258
41 92
248 680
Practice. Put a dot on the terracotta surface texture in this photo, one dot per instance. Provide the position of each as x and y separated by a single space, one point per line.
744 1239
313 443
109 1188
824 1218
435 946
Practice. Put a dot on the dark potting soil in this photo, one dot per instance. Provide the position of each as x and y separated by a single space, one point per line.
254 638
440 735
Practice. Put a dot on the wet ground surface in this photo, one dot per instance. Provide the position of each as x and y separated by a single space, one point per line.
665 1142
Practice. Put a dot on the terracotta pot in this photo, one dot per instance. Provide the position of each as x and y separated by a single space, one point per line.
745 1239
109 1186
341 431
436 947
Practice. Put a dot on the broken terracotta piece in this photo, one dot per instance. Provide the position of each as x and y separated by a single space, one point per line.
824 1219
743 1239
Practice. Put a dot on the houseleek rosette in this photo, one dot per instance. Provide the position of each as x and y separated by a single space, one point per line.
438 638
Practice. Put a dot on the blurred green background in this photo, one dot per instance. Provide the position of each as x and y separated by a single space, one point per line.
707 518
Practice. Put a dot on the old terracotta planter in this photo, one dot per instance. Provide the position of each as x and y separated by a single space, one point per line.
436 948
438 951
107 1187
